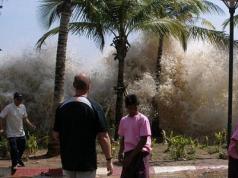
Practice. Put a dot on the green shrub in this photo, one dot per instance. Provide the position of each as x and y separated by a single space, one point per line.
43 141
220 140
32 145
115 148
3 148
181 147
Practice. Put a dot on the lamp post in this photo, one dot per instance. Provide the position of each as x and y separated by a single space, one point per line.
1 4
232 5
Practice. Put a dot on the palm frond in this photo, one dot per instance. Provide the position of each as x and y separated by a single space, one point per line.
227 22
211 7
50 11
90 30
184 41
163 27
206 23
143 11
84 9
50 33
218 38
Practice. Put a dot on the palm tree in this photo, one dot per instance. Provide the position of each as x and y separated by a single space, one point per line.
121 18
188 12
52 10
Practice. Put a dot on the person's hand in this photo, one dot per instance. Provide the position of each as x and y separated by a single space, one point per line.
109 167
1 131
120 157
33 126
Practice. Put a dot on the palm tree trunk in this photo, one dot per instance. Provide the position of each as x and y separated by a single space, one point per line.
121 48
158 63
156 120
53 146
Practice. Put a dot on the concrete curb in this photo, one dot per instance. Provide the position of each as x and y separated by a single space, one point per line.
157 170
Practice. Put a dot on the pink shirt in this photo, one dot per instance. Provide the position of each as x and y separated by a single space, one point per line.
132 128
232 151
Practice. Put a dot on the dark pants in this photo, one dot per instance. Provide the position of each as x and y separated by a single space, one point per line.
233 168
17 147
139 168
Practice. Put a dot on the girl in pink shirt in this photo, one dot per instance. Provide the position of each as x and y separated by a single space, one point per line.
135 142
233 155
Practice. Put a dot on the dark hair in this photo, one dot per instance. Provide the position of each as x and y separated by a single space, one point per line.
18 96
81 82
131 100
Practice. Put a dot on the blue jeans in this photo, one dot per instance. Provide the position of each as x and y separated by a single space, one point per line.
17 147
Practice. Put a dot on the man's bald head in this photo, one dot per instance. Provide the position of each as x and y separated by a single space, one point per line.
81 82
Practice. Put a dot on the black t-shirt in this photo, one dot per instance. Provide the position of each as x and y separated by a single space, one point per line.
78 124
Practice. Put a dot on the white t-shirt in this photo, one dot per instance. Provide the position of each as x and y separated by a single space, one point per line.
14 119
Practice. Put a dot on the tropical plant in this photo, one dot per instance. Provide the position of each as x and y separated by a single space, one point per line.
181 147
206 144
32 145
3 147
220 140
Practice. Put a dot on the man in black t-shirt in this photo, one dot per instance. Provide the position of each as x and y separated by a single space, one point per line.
78 122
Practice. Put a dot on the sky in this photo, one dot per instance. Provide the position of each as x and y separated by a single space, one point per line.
21 27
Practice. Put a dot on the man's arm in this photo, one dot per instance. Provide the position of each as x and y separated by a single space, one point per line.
3 114
1 126
29 123
55 135
120 153
104 141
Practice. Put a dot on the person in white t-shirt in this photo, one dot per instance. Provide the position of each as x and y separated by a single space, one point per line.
15 113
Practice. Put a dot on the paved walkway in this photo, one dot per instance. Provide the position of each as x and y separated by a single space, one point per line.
101 172
51 167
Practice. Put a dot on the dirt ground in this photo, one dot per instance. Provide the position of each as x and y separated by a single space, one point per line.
160 157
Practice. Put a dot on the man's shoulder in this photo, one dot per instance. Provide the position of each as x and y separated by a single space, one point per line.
10 105
143 117
124 118
95 104
22 106
75 101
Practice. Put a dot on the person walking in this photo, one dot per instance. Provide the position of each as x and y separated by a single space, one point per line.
233 155
78 122
15 113
135 142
